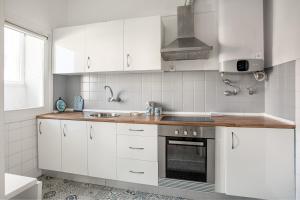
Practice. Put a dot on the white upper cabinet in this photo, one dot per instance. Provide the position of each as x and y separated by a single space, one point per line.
104 46
49 144
102 150
68 50
121 45
142 44
74 147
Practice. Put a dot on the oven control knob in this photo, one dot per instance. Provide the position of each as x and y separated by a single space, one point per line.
176 132
185 132
195 133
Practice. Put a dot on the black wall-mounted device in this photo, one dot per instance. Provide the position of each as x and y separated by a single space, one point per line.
242 65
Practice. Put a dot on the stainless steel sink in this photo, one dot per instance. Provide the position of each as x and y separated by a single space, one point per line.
104 115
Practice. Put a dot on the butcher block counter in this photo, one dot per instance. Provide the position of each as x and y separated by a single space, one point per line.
224 120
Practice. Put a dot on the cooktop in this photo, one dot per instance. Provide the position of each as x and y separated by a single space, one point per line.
186 119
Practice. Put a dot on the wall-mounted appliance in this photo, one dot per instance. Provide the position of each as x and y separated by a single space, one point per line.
241 36
186 46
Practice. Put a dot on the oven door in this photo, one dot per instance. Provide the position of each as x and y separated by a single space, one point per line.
186 158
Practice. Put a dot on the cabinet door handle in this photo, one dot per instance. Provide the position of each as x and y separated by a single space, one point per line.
135 172
136 130
136 148
40 131
64 132
232 140
91 128
128 57
88 62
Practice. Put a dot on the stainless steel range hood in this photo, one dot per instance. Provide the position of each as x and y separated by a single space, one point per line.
186 46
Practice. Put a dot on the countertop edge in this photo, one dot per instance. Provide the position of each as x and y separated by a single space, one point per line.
156 121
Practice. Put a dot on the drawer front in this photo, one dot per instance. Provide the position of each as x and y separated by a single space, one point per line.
136 171
137 129
137 147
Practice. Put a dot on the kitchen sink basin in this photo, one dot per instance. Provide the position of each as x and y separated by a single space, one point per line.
104 115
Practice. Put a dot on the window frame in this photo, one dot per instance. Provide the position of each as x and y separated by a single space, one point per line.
29 32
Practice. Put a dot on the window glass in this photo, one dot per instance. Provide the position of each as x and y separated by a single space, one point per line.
13 56
24 63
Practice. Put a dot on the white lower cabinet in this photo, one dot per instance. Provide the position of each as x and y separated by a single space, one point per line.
74 147
49 144
137 171
255 162
99 149
102 150
137 153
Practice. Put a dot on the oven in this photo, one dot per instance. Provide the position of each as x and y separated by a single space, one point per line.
187 153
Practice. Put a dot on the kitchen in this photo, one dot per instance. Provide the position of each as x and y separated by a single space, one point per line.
150 100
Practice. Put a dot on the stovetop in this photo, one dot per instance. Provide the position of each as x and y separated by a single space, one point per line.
187 119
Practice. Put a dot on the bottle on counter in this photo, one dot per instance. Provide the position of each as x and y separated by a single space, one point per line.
157 111
149 108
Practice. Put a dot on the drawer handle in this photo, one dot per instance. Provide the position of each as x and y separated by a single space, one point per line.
134 172
136 130
136 148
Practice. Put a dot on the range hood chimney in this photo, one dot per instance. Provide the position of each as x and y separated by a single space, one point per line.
186 46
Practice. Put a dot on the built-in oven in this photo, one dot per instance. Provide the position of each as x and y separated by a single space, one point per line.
187 153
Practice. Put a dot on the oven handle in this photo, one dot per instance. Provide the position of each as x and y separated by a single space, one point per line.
188 143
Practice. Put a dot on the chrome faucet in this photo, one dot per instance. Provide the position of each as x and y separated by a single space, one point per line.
235 91
111 98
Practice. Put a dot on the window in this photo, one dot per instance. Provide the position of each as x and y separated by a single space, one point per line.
24 61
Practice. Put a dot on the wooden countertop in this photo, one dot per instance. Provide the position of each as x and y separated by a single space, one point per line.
226 120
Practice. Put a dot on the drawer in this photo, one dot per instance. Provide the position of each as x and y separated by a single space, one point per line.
137 129
137 147
136 171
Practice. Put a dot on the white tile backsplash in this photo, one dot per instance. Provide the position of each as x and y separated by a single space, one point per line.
280 91
196 91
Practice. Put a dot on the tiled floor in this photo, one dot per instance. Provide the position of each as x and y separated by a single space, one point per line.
54 188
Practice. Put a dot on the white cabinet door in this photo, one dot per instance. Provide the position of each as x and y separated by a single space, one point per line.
49 144
245 161
142 44
260 163
104 46
74 147
69 50
102 147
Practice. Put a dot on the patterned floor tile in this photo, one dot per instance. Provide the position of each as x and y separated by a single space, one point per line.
62 189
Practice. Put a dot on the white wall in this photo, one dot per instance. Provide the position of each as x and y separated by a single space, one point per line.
89 11
282 31
282 39
206 26
20 126
297 130
2 160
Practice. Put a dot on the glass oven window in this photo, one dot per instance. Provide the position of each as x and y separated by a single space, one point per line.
186 158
